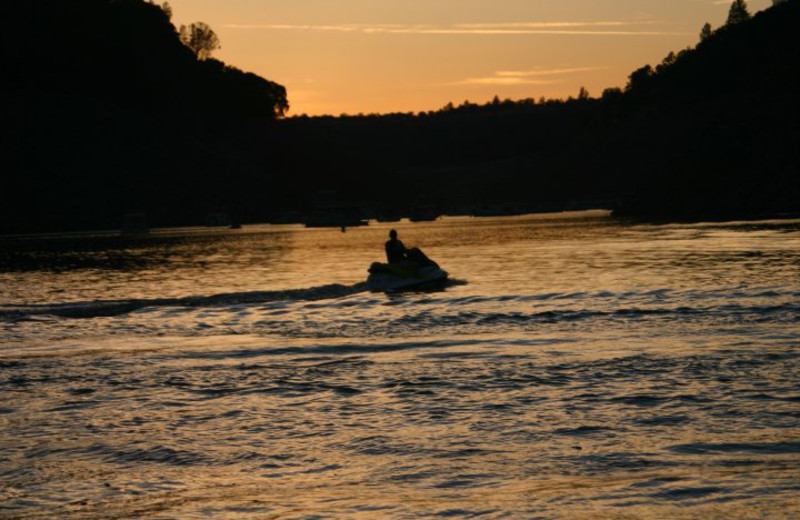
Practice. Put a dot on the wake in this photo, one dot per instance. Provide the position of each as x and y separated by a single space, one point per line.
106 308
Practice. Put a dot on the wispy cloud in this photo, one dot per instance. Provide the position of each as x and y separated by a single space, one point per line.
604 28
551 25
503 81
546 72
511 78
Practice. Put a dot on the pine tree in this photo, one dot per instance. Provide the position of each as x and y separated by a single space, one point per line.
706 32
738 12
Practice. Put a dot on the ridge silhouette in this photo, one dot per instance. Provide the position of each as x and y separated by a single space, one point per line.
109 114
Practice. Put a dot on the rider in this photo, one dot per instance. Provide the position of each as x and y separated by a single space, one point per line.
396 253
395 250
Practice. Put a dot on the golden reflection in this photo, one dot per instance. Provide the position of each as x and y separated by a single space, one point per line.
585 368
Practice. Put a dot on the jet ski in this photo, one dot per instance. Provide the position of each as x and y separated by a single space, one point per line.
406 276
416 272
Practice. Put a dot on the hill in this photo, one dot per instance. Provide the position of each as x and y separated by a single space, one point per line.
711 130
108 113
721 123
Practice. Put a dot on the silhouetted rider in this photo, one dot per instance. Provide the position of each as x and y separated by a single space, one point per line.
395 250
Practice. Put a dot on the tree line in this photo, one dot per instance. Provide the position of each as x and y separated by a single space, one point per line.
111 109
710 129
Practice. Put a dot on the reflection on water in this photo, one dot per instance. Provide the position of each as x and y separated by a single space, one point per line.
580 367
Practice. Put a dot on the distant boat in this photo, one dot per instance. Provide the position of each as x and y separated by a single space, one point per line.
424 215
389 217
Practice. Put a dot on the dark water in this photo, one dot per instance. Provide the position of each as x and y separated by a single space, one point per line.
577 367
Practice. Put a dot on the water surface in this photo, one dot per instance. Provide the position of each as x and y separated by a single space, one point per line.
577 367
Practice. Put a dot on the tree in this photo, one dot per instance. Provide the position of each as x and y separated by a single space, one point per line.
583 94
167 9
738 12
706 32
639 78
612 93
667 62
200 38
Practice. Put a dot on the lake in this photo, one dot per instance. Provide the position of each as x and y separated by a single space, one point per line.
576 366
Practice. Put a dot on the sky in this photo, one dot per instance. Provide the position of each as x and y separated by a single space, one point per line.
381 56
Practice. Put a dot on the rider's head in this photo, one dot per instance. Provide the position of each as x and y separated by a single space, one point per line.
393 234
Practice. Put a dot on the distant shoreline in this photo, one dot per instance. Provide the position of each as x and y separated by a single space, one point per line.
200 230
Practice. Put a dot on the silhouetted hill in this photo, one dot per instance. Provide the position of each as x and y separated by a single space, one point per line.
724 121
107 113
122 52
709 131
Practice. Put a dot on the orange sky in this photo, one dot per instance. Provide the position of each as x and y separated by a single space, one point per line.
379 56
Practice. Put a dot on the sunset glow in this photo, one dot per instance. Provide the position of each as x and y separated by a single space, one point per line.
368 56
384 259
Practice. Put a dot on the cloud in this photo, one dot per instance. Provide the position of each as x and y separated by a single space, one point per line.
546 72
551 25
604 28
510 78
503 81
